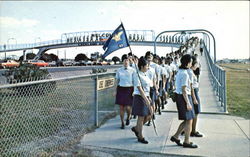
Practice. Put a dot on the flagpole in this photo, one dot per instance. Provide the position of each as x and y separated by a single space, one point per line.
137 71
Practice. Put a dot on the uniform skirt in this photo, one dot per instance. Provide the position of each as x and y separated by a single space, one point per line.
197 108
139 107
152 94
162 90
124 95
183 113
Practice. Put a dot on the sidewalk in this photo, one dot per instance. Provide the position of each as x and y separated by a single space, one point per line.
224 136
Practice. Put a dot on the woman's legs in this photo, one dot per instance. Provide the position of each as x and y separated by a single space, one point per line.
187 129
129 110
122 116
139 125
179 130
194 123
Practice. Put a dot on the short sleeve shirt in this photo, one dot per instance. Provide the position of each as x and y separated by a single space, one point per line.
124 76
190 73
143 81
151 74
182 79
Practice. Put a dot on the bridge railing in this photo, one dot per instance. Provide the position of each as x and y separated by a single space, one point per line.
218 76
46 115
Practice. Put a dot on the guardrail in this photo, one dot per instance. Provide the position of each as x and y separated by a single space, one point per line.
46 115
218 76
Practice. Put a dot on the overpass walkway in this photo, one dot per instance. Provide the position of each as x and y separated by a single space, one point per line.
224 135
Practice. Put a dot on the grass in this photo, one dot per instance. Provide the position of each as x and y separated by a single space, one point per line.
238 89
65 110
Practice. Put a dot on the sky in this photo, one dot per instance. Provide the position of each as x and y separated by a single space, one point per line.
33 21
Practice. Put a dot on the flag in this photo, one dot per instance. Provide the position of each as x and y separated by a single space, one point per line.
116 41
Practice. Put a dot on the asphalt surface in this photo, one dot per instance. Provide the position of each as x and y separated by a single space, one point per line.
60 72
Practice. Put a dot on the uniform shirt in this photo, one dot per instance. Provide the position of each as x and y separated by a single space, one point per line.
164 70
151 75
195 81
182 79
190 73
124 76
144 82
157 69
168 69
175 67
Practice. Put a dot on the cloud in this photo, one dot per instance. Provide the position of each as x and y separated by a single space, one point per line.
13 22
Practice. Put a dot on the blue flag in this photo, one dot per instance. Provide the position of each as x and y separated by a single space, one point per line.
116 41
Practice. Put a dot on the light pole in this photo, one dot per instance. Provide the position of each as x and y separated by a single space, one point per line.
9 45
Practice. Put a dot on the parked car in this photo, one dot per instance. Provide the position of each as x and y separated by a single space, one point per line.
9 64
67 63
52 64
39 63
89 63
82 63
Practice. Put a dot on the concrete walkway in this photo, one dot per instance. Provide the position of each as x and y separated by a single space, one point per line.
224 135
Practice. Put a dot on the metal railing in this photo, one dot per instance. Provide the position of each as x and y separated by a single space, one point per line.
46 115
218 76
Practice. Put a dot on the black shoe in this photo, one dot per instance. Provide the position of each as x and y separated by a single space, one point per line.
177 141
134 116
122 127
143 141
136 133
159 112
127 122
149 123
189 145
196 134
162 107
182 133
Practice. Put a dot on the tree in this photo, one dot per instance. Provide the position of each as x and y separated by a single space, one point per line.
116 59
54 57
81 56
28 56
49 57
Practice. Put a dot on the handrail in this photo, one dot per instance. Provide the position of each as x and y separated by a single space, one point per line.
219 80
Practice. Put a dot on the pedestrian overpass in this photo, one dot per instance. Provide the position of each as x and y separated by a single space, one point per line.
95 38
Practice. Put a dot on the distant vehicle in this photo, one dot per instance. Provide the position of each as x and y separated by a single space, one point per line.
39 63
67 63
89 63
82 63
52 64
9 64
111 63
104 63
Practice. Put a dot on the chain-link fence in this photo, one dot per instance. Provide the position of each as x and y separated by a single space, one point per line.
46 115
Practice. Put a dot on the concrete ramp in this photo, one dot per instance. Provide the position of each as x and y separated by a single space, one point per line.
209 101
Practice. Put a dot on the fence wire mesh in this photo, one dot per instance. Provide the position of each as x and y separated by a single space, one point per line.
46 116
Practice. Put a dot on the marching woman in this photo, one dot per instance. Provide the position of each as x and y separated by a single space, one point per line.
184 103
197 108
141 102
124 95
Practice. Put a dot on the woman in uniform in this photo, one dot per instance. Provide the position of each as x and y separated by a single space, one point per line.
184 103
197 108
141 102
124 94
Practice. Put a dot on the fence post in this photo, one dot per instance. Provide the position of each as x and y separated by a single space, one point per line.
96 100
225 90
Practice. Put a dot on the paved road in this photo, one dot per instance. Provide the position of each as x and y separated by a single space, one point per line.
59 72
